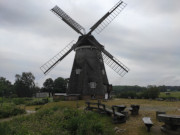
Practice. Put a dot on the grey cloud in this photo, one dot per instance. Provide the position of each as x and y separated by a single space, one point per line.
153 6
145 37
18 12
33 17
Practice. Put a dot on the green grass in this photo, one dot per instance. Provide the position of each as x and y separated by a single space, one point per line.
172 94
58 120
9 110
25 101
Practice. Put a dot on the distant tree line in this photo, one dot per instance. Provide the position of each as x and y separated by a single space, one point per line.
150 91
59 85
24 86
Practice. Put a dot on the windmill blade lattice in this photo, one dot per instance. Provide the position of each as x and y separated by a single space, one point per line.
108 17
115 64
110 60
49 65
67 19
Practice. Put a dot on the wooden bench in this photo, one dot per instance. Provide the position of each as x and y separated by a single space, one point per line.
108 111
117 116
119 108
98 106
147 121
116 113
126 114
95 105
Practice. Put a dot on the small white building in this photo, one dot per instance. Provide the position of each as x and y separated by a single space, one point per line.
42 94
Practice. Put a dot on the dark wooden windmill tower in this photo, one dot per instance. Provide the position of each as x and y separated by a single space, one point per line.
88 76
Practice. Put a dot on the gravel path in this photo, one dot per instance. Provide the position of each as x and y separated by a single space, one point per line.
157 108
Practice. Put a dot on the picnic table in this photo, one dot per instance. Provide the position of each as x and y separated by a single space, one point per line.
134 109
120 108
117 116
171 123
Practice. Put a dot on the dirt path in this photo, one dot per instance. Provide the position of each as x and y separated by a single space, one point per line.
157 108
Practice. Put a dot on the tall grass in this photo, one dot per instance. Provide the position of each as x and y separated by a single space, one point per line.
58 121
10 110
55 118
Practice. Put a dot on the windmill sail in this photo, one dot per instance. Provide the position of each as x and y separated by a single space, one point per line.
49 65
67 19
110 60
114 63
108 17
88 77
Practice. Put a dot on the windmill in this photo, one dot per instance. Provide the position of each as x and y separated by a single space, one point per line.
88 76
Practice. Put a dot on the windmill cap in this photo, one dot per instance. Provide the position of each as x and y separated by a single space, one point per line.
86 41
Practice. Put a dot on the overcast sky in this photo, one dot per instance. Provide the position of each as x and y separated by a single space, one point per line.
145 37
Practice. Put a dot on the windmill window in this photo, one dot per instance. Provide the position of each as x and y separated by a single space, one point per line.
103 72
92 85
105 87
78 71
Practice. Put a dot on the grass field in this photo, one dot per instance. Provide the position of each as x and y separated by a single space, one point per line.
133 126
148 108
172 94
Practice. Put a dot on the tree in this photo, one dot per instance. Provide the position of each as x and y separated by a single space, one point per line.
49 86
162 88
127 94
60 85
151 92
5 87
24 84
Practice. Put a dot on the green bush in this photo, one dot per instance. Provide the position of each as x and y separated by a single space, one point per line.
5 100
38 102
13 96
4 128
59 121
127 94
8 111
18 101
78 123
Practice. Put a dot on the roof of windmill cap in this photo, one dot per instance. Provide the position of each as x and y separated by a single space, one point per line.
84 42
